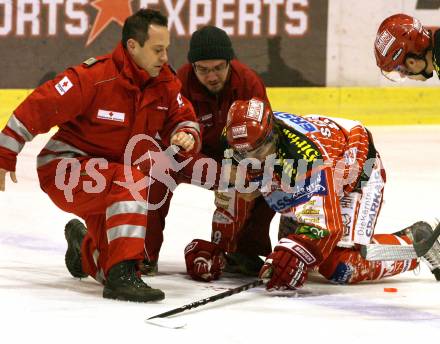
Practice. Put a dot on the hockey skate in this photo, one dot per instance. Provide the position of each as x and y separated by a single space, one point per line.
124 283
74 233
420 231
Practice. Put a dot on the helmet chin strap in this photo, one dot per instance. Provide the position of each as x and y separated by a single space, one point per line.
424 73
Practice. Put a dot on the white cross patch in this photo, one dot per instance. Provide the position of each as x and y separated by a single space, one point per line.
64 85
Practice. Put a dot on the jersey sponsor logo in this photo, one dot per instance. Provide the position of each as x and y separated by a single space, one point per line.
350 155
342 274
280 201
369 208
312 232
296 122
111 115
384 41
64 85
311 212
239 131
255 110
306 148
218 217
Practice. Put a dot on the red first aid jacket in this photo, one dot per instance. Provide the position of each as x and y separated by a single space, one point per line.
212 110
98 106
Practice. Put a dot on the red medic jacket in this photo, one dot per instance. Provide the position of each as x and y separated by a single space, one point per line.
98 106
212 110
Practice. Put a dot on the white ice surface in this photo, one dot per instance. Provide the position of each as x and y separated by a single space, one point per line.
40 302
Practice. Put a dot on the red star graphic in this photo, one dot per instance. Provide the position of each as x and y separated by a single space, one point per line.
65 83
108 11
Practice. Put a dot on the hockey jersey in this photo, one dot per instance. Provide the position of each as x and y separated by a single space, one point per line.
318 160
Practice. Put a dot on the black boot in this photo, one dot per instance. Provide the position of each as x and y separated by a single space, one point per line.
148 268
74 232
418 232
123 283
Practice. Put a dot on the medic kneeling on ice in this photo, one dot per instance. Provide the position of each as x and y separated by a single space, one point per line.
325 177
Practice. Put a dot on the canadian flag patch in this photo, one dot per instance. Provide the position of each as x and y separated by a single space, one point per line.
64 85
111 115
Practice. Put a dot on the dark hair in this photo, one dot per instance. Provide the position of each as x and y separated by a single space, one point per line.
136 26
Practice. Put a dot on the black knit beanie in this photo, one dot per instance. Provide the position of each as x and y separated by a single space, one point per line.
210 43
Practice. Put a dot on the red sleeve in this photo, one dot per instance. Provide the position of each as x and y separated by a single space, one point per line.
51 104
357 148
181 116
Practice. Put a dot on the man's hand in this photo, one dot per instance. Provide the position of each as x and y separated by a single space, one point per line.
3 174
204 260
184 140
287 266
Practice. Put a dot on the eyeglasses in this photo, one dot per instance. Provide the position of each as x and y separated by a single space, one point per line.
220 68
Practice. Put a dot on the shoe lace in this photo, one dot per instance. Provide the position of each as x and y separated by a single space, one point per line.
132 276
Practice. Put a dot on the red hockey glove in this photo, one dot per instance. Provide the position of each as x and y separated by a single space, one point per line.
286 267
204 260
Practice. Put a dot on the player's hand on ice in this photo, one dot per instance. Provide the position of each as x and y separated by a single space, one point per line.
184 140
3 174
204 260
287 266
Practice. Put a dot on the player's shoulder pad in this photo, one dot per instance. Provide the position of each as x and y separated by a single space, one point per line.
90 62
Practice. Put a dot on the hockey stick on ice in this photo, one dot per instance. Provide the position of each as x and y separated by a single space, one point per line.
396 252
207 300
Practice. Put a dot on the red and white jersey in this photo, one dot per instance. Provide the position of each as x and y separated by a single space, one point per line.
330 149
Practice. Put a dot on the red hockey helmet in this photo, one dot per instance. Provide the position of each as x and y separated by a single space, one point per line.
398 36
249 124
